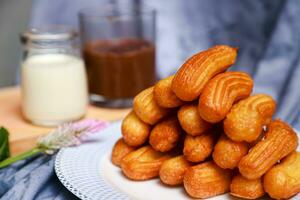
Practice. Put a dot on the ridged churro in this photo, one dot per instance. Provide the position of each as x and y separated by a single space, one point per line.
198 148
135 132
164 95
165 135
191 121
173 170
280 140
283 180
247 118
146 107
221 93
120 150
245 188
206 180
227 153
143 163
193 75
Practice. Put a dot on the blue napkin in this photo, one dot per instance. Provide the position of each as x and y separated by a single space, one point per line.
266 32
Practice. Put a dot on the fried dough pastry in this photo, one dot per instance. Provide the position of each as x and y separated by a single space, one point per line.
165 135
172 170
280 140
164 95
245 188
198 148
221 93
206 180
135 132
246 119
227 153
147 109
191 121
283 180
143 163
192 76
120 150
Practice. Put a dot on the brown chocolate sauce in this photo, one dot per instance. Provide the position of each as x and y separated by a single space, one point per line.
119 68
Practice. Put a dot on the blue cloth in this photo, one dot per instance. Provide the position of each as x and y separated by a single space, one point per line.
266 32
33 178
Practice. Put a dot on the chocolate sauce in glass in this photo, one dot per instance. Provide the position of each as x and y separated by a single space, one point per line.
119 68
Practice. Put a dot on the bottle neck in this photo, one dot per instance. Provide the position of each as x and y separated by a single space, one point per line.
35 47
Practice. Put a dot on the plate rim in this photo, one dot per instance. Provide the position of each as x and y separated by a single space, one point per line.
72 188
64 180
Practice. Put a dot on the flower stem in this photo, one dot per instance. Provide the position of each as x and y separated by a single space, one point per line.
22 156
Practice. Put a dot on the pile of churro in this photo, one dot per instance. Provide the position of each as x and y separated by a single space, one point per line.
203 129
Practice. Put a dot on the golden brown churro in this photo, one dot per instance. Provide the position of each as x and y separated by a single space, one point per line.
135 132
246 119
206 180
227 153
164 95
147 109
191 121
280 140
120 150
172 170
192 76
143 163
165 135
245 188
283 180
221 92
198 148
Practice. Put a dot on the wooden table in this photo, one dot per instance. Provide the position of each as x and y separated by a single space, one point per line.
23 135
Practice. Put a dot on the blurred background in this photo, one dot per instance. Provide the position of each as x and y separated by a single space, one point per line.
183 28
14 18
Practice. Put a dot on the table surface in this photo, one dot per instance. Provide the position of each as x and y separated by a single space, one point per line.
23 135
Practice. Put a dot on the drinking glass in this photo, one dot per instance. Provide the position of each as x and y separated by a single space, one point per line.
118 46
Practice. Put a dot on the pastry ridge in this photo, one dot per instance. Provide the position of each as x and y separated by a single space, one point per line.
221 92
261 102
192 76
143 163
280 140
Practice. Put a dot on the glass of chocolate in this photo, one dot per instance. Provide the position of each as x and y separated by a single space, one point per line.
119 52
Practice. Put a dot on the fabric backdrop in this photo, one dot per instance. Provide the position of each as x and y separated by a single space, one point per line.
267 33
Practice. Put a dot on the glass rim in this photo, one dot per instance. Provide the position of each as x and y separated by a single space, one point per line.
51 33
105 11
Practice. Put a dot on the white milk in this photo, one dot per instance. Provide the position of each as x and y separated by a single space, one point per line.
54 88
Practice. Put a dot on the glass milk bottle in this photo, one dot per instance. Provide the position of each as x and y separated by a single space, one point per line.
53 77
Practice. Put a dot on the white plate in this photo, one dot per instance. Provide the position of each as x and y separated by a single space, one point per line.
88 173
